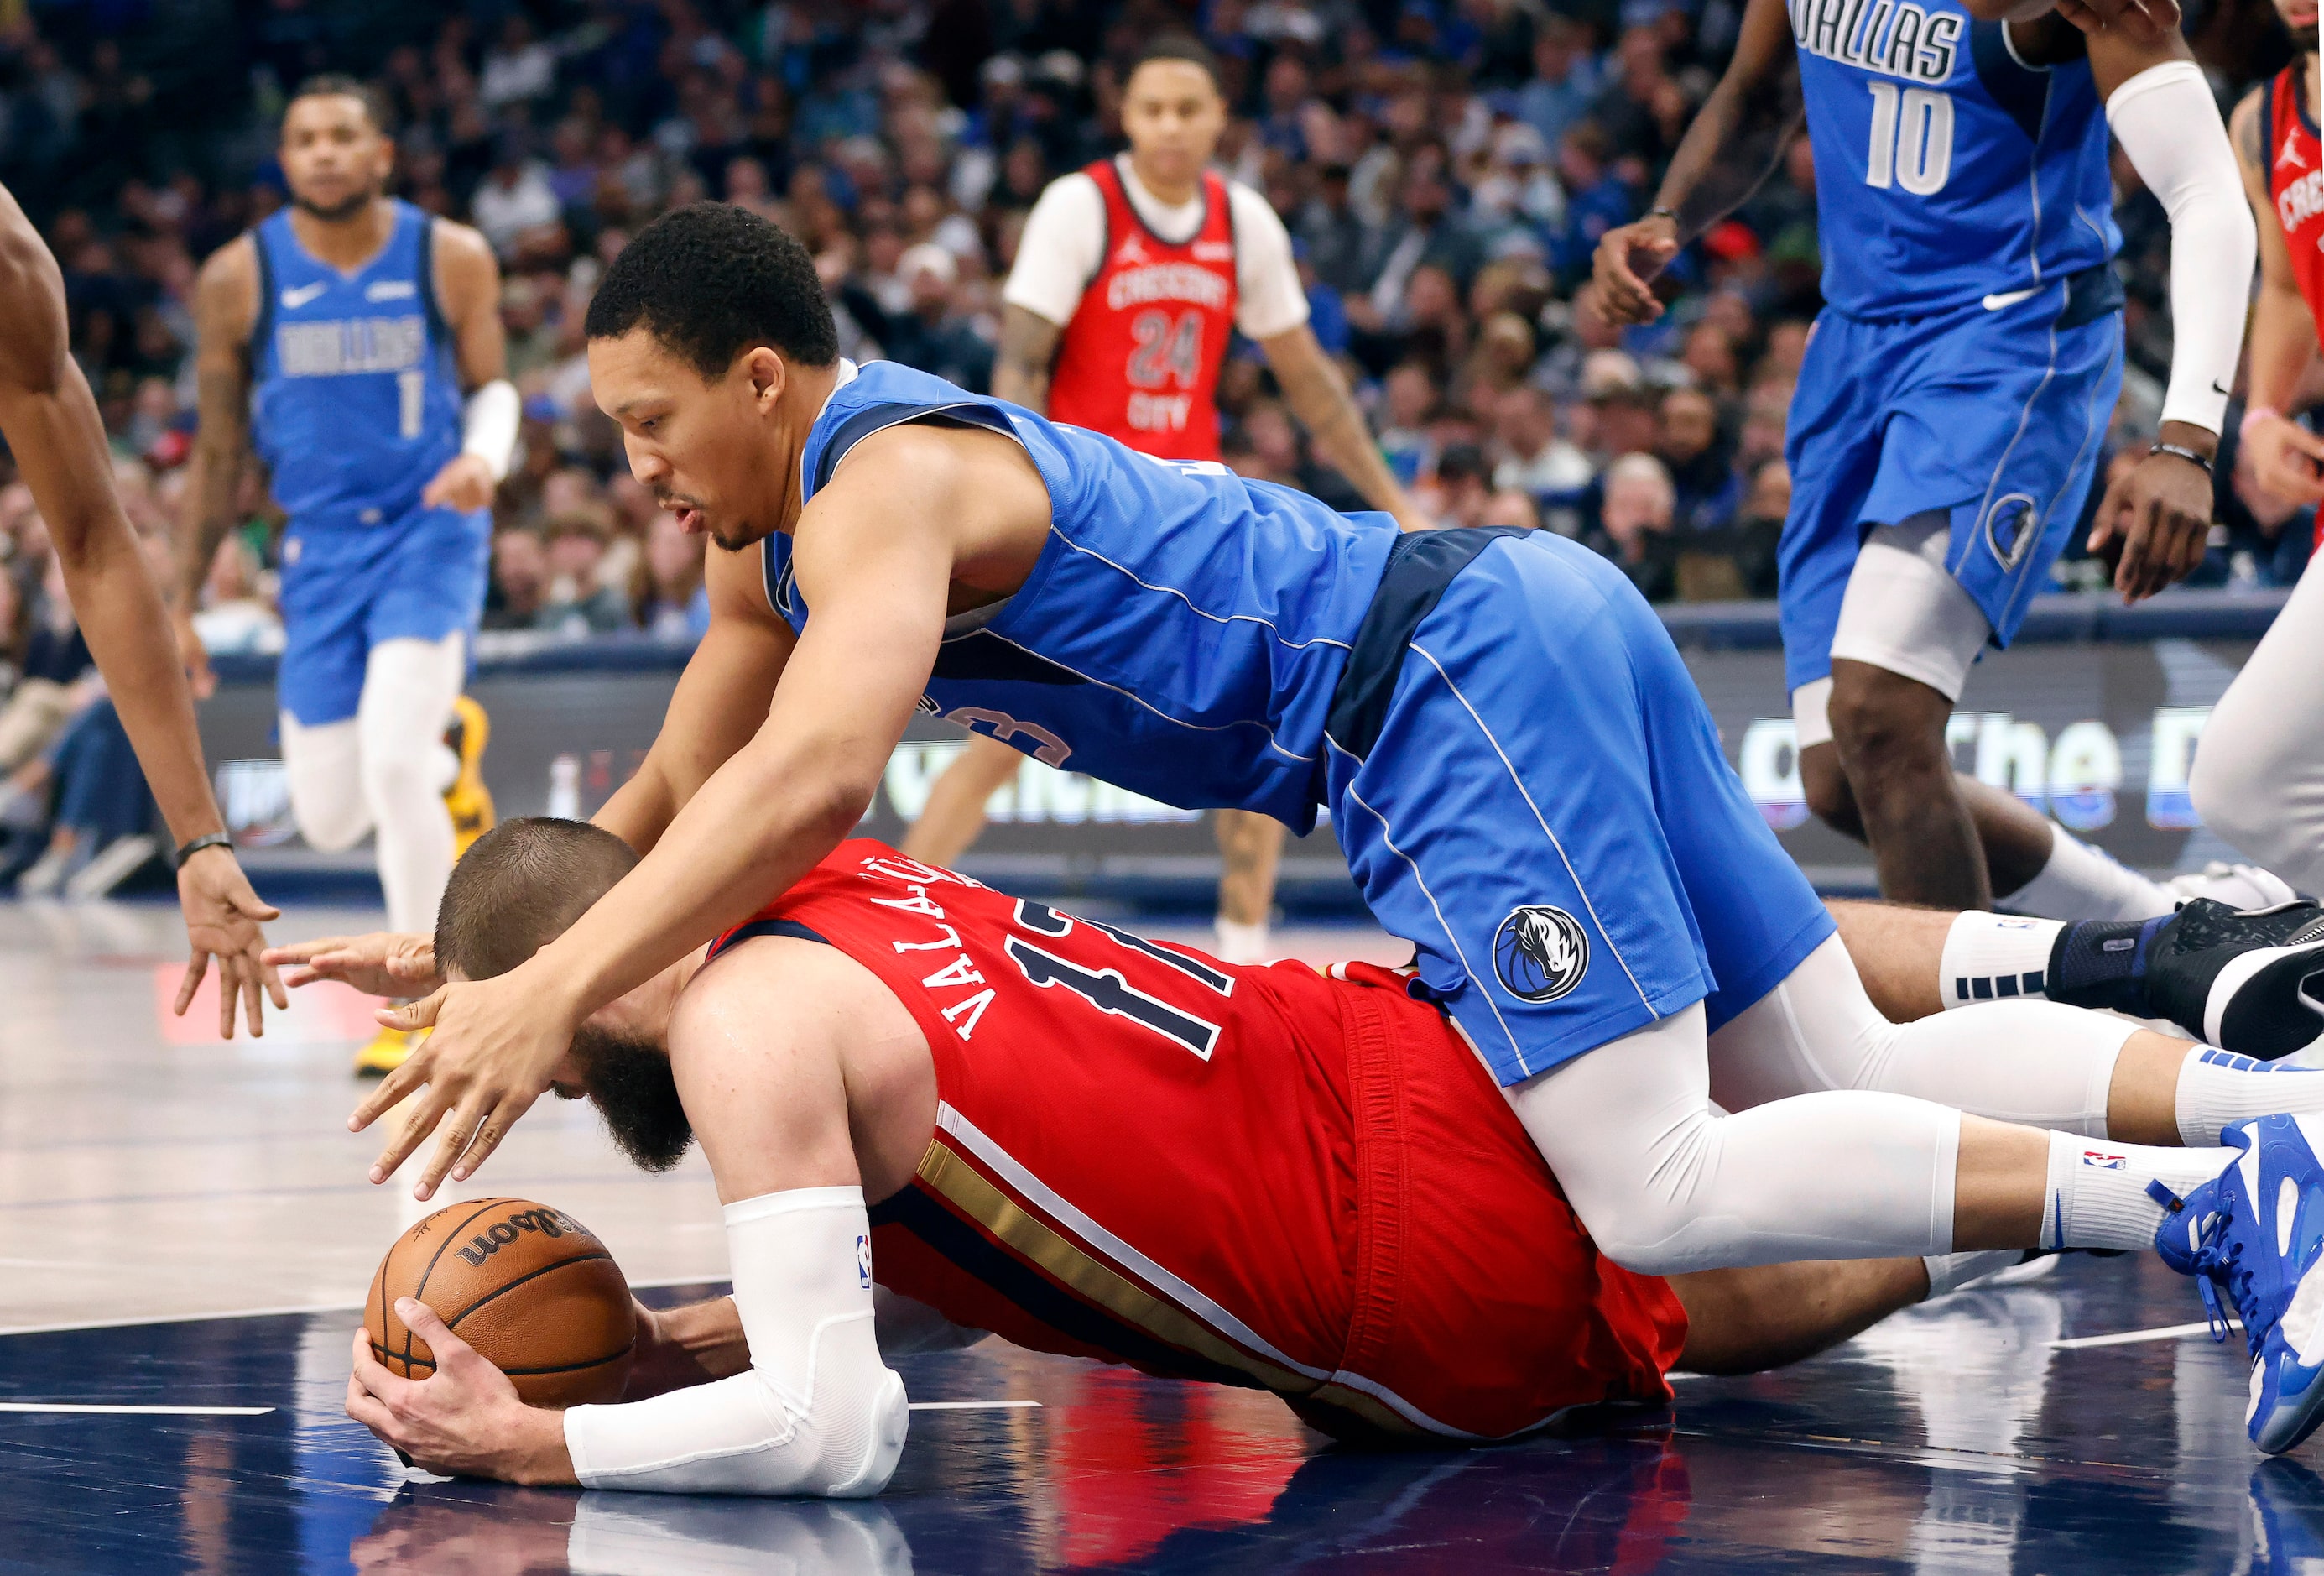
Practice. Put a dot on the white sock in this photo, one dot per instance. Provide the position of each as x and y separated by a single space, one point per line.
1990 956
2097 1195
2217 1088
2080 883
1240 944
1950 1272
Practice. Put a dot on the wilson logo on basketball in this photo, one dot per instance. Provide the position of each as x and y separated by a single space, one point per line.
550 1223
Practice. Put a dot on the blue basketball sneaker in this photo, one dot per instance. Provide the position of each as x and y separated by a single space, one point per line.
2255 1234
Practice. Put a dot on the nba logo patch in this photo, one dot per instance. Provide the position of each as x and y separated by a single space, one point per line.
864 1261
2103 1160
1540 953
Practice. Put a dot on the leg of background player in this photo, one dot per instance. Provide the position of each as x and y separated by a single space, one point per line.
1251 847
953 815
2258 779
2016 842
1746 1321
410 686
324 764
1890 734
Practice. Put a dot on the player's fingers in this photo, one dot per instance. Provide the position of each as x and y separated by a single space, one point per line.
229 992
457 1133
2106 524
251 906
497 1123
415 1014
425 1322
253 1001
427 1107
417 1069
281 998
197 967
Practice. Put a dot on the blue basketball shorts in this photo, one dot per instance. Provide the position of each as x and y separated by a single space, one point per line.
1993 415
348 587
1528 788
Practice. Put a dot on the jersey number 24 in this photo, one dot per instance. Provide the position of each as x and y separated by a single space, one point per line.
1912 139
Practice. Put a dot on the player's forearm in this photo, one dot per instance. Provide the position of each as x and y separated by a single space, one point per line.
761 821
217 467
59 442
1021 383
2282 344
1320 399
640 807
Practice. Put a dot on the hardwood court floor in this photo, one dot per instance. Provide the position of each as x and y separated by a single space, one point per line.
2071 1424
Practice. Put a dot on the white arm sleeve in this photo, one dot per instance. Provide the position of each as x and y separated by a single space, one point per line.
817 1414
2166 121
488 426
1063 243
1268 299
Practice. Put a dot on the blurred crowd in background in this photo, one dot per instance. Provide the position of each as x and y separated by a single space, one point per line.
1445 167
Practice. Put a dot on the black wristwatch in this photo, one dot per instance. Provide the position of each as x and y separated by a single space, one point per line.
192 845
2183 452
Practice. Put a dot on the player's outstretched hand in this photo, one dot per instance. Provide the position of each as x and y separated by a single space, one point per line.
494 1044
2287 459
466 1420
2155 522
465 483
1628 257
222 919
392 963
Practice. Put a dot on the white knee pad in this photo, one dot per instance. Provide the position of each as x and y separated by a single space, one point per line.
1902 612
324 764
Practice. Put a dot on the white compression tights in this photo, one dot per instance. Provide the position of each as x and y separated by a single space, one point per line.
1844 1129
380 769
2259 770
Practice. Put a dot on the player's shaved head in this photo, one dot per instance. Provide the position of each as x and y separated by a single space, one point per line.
519 887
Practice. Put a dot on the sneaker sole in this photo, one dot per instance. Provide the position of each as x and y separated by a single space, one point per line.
2246 1012
2288 1428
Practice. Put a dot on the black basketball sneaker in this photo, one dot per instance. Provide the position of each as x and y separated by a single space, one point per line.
2247 981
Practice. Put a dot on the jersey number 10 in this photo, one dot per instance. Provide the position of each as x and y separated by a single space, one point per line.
1912 139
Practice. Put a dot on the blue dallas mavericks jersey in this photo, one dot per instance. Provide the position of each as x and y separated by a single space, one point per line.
355 398
1946 171
1181 633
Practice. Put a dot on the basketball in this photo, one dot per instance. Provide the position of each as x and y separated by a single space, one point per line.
529 1287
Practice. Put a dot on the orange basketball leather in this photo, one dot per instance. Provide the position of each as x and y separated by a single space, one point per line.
529 1287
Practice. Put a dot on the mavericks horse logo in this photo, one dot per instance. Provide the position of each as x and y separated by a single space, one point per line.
1540 953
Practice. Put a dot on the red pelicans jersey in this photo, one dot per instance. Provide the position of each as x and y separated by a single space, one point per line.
2295 179
1257 1176
1139 362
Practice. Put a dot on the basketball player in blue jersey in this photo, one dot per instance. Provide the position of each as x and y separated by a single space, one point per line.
1954 402
50 420
1526 782
340 335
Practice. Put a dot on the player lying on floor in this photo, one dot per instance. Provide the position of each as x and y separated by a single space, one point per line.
1094 1144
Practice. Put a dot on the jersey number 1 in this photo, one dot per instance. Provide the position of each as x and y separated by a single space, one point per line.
411 401
1912 139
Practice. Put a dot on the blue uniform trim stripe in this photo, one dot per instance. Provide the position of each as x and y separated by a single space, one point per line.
1420 565
765 927
261 326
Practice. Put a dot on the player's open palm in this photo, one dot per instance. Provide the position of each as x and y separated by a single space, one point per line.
2156 522
494 1045
1629 258
222 916
462 1421
392 963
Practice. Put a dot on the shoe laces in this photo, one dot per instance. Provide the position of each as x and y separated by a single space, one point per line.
2219 1267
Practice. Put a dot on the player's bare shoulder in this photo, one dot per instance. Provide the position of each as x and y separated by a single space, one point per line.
225 294
465 268
31 300
973 485
2244 131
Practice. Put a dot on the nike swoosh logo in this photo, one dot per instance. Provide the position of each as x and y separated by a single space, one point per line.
295 299
1994 303
2216 388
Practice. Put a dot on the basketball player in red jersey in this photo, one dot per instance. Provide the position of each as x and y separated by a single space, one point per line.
1085 1142
2258 779
1131 276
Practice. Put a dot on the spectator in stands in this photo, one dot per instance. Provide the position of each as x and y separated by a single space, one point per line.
579 600
1464 485
1687 443
54 668
1532 458
1633 523
519 588
669 599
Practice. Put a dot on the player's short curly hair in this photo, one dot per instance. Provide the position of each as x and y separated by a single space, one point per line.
711 281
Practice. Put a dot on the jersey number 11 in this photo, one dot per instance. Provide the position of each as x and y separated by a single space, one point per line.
1912 139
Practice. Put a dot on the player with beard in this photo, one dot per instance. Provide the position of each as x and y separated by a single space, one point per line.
1028 1123
50 421
2258 780
337 338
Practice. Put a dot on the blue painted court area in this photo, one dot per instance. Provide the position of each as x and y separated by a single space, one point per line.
1960 1437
